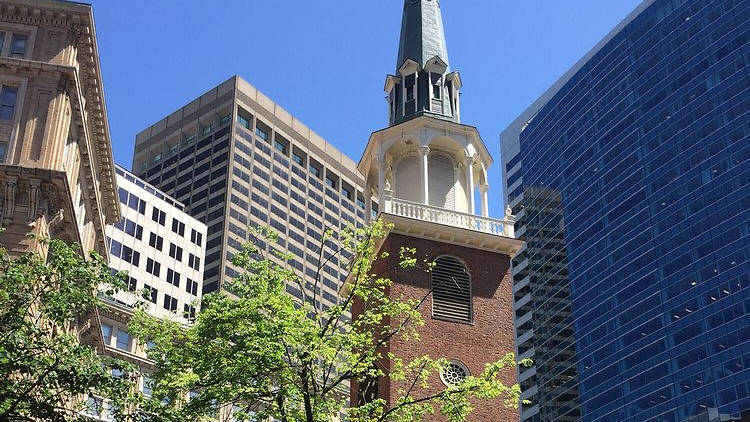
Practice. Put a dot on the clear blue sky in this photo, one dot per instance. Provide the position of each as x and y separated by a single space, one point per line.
326 61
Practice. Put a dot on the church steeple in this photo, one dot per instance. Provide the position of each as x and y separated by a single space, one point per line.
423 83
422 33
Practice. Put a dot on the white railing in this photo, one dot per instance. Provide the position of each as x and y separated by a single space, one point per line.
446 217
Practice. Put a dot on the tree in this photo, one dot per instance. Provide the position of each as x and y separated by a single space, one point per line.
45 371
265 354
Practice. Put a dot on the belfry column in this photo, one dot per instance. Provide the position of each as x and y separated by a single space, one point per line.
484 188
470 183
381 181
424 150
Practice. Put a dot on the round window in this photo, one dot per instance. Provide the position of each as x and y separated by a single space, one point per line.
454 373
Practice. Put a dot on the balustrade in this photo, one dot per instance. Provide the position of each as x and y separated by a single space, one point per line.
446 217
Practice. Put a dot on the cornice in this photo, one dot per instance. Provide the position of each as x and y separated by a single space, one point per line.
92 149
79 19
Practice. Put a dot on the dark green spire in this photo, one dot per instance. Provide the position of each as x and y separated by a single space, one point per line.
422 33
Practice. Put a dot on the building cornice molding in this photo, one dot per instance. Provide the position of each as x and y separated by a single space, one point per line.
93 144
79 19
412 128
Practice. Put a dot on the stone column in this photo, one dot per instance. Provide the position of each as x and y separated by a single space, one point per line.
424 151
483 188
470 183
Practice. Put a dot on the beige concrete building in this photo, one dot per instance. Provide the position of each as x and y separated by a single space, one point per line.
57 174
237 161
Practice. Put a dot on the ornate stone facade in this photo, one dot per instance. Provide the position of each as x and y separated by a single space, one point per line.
56 168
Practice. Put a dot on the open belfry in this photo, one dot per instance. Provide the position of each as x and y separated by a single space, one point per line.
426 170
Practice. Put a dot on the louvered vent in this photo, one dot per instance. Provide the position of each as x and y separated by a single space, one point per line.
451 290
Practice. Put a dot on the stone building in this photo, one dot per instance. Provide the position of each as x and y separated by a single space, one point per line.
57 174
468 310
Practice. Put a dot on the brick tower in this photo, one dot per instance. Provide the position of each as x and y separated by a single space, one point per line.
424 170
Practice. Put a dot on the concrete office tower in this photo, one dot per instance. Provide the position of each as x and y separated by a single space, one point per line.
57 175
237 161
424 169
161 248
630 178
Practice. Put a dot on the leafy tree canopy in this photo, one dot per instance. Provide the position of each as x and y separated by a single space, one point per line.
264 354
45 371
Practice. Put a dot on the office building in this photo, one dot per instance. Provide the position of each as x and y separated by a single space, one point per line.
426 168
160 250
630 178
57 175
159 246
238 161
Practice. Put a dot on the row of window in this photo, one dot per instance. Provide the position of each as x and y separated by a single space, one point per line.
157 215
331 180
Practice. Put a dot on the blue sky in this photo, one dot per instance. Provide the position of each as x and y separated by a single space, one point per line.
325 61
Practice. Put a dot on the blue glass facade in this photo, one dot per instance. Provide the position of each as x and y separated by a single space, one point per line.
632 183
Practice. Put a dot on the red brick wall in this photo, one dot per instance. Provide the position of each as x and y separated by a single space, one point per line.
487 339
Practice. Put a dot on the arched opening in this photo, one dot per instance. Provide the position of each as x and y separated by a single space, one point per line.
442 182
407 179
451 290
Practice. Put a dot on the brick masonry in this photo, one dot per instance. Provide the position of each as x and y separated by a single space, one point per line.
486 340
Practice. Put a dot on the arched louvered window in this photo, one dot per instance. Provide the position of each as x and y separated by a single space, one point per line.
451 290
407 179
442 181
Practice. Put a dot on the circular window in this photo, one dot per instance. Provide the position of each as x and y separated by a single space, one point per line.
453 373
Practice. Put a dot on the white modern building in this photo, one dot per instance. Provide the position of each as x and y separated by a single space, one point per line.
160 247
162 251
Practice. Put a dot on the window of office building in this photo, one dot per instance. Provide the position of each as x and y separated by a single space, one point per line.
159 216
170 303
18 46
178 227
191 287
153 267
244 122
297 158
151 293
194 262
8 96
175 252
107 333
173 277
156 241
130 227
122 340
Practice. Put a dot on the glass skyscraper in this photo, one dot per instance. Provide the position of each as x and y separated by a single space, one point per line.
630 178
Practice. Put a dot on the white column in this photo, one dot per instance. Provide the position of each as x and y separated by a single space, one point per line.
424 150
470 183
416 91
381 181
483 188
403 96
429 91
458 106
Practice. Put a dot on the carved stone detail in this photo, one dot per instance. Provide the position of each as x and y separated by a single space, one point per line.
9 202
33 204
